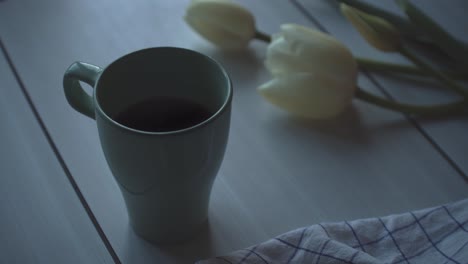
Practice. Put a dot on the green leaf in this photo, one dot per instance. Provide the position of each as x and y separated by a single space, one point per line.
456 49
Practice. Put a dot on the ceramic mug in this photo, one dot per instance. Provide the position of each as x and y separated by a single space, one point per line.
165 177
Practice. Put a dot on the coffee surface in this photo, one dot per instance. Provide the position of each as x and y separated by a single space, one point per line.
163 114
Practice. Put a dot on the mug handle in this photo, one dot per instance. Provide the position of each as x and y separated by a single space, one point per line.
76 96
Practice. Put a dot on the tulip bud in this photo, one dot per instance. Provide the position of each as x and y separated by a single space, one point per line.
314 74
221 22
377 31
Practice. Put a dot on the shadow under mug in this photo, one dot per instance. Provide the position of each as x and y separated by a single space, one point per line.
165 177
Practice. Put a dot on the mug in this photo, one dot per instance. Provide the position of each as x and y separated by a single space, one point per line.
165 176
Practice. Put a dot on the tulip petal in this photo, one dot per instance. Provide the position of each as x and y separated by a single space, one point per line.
222 22
309 95
216 34
300 49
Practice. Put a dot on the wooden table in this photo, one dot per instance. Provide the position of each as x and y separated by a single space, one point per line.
60 204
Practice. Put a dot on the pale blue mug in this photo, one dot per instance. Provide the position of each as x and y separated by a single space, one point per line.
165 177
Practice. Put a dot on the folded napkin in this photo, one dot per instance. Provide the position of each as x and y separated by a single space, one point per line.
433 235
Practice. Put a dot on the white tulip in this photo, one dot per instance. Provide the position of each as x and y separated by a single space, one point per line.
314 74
377 31
222 22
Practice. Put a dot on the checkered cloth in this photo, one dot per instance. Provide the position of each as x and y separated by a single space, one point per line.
434 235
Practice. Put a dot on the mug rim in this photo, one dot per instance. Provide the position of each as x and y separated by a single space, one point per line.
227 101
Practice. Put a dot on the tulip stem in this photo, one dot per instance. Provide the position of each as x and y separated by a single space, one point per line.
403 69
262 36
433 72
439 109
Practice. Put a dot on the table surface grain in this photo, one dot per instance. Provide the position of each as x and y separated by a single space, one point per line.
60 203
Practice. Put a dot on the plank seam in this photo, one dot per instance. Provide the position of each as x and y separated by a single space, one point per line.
59 157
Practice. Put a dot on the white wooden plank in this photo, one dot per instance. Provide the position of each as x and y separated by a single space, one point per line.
447 133
278 173
41 218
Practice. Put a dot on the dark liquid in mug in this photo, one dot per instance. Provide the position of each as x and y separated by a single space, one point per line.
162 114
